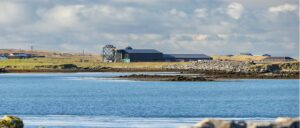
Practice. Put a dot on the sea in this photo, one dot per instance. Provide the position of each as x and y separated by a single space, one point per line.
97 100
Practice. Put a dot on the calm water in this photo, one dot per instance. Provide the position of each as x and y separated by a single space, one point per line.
95 100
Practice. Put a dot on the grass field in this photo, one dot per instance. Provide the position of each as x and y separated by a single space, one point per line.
25 64
239 58
32 63
95 61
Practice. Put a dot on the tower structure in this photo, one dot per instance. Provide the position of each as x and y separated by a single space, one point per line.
109 53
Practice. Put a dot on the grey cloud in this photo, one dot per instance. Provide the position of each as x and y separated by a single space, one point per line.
235 10
181 26
284 8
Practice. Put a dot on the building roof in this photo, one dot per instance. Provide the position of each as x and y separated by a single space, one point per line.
266 55
182 56
141 51
246 53
22 54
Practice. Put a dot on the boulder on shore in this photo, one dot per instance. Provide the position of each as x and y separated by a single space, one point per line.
212 123
11 122
278 123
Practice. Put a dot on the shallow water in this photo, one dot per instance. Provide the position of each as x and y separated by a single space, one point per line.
95 100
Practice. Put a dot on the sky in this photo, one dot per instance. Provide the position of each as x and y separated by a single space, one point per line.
213 27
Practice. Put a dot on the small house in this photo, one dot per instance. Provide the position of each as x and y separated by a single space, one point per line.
268 55
19 56
3 58
246 54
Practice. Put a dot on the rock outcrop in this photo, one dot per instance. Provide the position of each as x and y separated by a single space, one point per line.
143 77
2 70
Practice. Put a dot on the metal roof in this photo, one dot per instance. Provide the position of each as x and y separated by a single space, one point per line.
249 54
180 56
141 51
266 55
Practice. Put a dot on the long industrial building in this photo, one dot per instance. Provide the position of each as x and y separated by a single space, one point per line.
139 55
185 57
151 55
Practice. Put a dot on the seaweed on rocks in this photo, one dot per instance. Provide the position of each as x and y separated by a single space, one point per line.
143 77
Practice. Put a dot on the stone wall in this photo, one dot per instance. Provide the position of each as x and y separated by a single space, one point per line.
229 66
236 66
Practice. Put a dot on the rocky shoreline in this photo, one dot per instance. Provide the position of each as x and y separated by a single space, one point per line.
280 122
207 74
210 70
245 75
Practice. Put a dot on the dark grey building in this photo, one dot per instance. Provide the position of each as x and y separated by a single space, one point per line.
19 56
185 57
130 54
139 55
246 54
268 55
